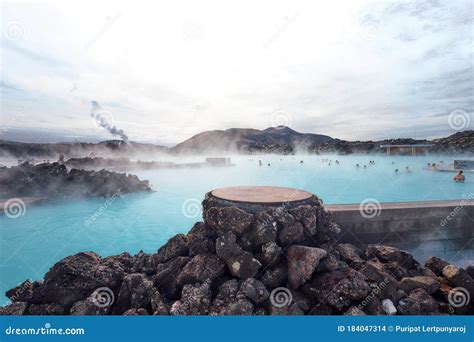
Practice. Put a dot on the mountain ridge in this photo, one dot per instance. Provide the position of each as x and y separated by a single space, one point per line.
280 140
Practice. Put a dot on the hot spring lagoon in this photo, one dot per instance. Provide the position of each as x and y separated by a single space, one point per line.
32 243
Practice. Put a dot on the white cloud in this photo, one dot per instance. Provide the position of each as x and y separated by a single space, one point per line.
169 70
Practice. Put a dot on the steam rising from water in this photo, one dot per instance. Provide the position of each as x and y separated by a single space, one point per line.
104 119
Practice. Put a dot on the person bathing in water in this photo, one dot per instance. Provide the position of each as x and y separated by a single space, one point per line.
459 177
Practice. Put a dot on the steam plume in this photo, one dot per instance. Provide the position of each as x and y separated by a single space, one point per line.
105 120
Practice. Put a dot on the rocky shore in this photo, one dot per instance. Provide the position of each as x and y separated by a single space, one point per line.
56 181
260 260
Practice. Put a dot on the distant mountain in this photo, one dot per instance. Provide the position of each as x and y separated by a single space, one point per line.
278 140
108 148
247 140
460 142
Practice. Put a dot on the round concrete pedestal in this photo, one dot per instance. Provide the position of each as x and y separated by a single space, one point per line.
256 198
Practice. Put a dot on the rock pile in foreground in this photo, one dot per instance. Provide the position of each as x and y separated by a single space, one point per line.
264 261
54 180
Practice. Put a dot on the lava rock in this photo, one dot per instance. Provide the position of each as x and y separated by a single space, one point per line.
227 247
338 288
255 290
354 311
89 307
57 182
388 254
201 240
458 277
307 216
418 302
270 254
430 285
291 233
76 277
158 304
175 247
14 309
302 261
436 265
201 268
276 276
46 310
349 253
165 277
195 300
263 230
244 265
135 293
233 218
136 312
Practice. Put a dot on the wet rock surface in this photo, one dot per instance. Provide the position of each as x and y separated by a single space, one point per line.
56 181
264 261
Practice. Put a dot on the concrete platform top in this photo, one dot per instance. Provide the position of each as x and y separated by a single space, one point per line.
261 194
405 205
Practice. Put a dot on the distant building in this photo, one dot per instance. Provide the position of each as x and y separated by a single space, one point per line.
464 164
412 149
218 161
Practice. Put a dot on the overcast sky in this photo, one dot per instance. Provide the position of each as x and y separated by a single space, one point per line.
164 71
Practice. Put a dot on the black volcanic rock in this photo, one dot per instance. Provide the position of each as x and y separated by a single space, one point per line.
237 274
54 180
113 148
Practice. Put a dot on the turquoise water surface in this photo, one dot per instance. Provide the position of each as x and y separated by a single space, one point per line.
32 243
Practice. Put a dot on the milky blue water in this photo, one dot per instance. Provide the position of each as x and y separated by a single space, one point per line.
32 243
